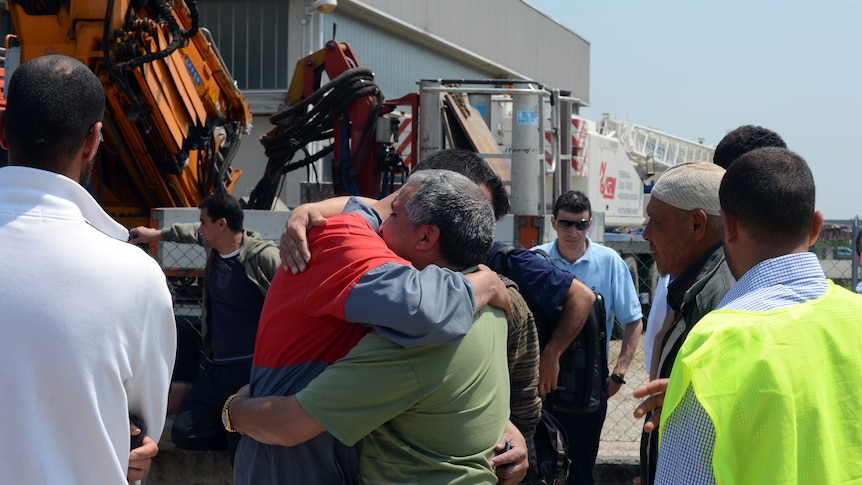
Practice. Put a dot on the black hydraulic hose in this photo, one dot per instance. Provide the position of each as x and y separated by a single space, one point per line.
316 123
335 87
166 15
195 15
310 120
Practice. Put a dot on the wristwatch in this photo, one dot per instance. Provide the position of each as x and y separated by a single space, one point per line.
225 414
618 378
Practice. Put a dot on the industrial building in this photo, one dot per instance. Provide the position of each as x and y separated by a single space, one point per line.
401 41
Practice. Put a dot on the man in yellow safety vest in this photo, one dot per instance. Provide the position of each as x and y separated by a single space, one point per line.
761 388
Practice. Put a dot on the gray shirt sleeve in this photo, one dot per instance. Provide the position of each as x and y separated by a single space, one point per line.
412 307
408 306
366 211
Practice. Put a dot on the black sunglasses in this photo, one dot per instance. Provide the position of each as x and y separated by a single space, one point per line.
579 225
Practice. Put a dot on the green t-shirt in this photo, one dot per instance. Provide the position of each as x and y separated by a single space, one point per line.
428 415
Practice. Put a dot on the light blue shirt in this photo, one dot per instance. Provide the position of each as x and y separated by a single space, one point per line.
605 272
657 315
688 440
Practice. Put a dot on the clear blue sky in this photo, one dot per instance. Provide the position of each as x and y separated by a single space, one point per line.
700 69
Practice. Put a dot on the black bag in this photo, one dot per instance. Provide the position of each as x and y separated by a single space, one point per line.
548 453
583 378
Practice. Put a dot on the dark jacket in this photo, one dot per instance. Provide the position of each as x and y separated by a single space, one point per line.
523 356
713 281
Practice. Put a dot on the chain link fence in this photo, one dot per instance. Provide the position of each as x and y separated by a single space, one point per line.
184 263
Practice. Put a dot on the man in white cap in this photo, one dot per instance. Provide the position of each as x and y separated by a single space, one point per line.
684 231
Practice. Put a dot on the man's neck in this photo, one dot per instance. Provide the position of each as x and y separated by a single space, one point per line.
572 254
231 244
423 259
682 282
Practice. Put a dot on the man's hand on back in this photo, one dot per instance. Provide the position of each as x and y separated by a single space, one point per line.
489 289
293 244
144 234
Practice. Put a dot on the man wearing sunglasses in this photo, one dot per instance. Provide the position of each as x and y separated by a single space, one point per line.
605 272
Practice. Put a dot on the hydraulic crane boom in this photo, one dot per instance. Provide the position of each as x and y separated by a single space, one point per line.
174 116
348 110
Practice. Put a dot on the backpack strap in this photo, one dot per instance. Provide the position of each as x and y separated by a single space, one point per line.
543 253
500 259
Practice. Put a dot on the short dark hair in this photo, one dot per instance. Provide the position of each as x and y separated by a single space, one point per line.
771 193
573 201
52 103
220 205
742 140
475 168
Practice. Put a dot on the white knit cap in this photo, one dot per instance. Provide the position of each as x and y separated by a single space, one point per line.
691 186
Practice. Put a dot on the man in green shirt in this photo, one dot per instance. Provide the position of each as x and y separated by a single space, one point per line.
431 412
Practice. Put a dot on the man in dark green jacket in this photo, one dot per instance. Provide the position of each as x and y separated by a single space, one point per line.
684 232
239 268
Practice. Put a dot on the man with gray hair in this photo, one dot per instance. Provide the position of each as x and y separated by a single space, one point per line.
684 232
453 397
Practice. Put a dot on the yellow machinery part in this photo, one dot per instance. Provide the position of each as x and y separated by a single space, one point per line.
172 123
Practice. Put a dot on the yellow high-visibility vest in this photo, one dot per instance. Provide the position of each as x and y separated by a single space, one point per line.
783 389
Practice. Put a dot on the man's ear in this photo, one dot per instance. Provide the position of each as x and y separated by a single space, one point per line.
698 221
730 227
430 236
816 225
91 143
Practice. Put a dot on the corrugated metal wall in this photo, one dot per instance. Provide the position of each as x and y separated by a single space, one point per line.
252 38
398 62
507 32
406 40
